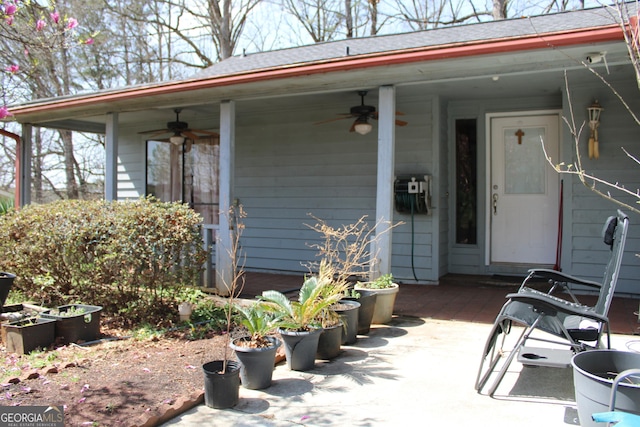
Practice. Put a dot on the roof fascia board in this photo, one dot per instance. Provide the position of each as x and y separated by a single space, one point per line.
431 53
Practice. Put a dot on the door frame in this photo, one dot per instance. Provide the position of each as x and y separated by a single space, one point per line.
488 147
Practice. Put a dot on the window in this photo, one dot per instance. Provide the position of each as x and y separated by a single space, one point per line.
187 172
466 178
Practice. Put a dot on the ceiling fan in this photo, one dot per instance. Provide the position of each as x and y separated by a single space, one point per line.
362 114
180 130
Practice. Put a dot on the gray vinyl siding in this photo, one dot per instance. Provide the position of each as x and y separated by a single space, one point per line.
413 242
288 169
131 165
584 254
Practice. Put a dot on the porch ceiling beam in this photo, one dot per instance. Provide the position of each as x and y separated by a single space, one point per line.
77 125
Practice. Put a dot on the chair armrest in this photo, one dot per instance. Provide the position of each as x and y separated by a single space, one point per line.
554 304
560 277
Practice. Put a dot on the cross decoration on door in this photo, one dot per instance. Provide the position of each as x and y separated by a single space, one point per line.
519 134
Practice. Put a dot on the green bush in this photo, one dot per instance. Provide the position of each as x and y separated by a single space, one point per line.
131 258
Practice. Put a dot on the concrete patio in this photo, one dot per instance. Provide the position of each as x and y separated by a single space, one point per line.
418 369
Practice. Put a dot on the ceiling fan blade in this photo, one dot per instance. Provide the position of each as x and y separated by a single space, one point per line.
353 126
348 116
206 132
401 123
192 136
154 130
161 132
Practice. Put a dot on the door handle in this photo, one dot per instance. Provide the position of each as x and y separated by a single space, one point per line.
495 203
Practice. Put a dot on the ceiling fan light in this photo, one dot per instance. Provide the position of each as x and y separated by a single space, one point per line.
177 139
363 128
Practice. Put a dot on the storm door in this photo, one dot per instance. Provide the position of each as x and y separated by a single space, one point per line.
523 204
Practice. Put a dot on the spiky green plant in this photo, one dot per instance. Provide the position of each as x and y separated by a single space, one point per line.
258 320
305 313
5 205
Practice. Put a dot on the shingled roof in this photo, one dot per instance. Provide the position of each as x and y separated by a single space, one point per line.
462 34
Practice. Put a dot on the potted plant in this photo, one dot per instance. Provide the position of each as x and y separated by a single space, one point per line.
345 250
75 322
300 324
330 341
24 336
367 299
256 352
386 291
222 377
348 312
6 282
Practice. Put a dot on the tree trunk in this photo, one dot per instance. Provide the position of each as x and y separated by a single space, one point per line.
348 18
374 16
499 9
69 162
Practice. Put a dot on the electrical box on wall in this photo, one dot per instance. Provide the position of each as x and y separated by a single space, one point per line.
412 194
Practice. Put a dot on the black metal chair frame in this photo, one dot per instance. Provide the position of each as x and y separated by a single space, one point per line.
537 310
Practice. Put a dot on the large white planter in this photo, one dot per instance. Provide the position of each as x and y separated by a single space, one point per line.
385 300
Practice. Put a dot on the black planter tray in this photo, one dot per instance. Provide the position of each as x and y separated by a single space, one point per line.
26 335
75 322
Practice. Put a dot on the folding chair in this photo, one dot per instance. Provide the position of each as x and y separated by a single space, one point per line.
566 322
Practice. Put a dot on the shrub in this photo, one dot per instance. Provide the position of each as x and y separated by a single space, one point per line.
131 258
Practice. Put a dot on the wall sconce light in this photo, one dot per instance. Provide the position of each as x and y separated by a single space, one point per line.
594 121
362 126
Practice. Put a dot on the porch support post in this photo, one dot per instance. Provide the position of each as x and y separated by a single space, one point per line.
111 157
25 164
381 249
224 262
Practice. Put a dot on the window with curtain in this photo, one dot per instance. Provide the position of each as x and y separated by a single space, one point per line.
187 172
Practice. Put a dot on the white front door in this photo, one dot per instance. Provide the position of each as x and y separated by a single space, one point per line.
523 190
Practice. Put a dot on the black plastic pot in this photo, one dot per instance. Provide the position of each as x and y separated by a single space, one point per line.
256 364
330 342
6 282
348 311
593 377
221 391
367 302
300 348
